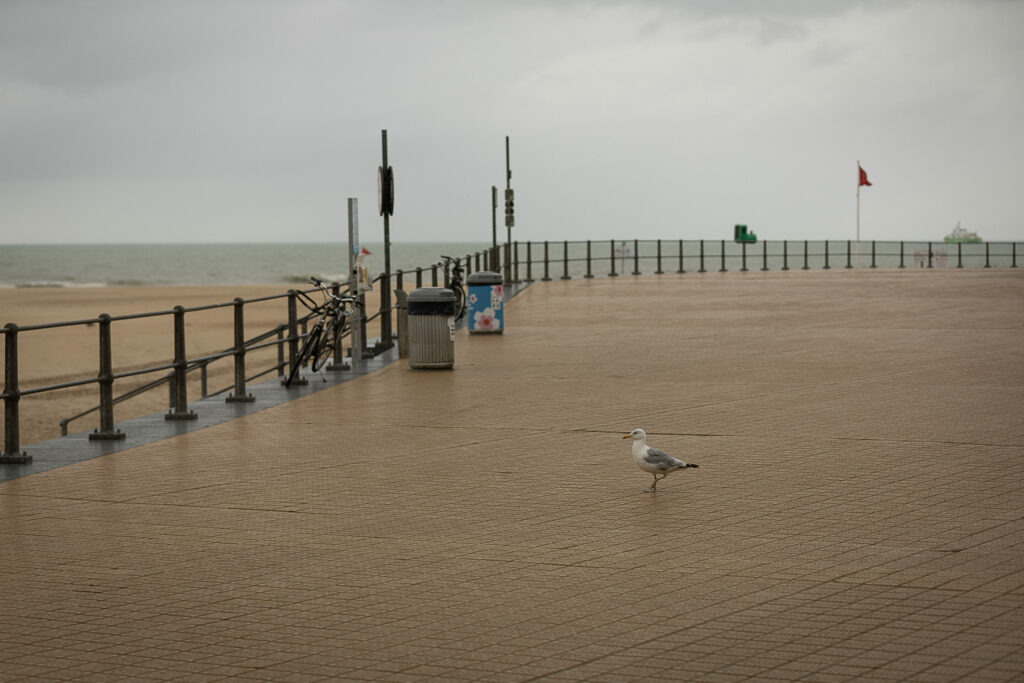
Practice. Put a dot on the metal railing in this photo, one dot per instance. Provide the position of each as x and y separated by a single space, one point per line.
574 259
584 259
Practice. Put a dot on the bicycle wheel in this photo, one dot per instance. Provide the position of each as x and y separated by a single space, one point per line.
325 347
303 355
460 302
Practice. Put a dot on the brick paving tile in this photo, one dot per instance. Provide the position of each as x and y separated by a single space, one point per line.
858 513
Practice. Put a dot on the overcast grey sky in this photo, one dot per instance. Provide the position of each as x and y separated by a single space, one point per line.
254 120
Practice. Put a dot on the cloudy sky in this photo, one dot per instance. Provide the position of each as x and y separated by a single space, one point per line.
254 120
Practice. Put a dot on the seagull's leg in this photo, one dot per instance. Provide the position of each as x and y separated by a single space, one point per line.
652 489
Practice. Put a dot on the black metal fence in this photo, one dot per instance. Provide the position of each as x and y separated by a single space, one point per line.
519 262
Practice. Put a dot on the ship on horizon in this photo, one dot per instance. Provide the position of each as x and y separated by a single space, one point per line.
962 235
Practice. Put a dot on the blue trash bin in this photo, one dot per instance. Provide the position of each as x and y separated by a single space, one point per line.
485 311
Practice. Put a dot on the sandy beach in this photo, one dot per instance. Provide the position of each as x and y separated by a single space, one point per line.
63 354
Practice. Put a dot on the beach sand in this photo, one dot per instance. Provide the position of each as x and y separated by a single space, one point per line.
65 354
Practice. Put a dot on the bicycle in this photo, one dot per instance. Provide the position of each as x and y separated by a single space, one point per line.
332 324
456 285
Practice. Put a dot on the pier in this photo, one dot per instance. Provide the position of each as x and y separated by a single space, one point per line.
858 512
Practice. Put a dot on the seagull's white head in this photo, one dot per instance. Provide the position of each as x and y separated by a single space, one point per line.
636 435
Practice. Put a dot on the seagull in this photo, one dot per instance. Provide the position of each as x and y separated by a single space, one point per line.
652 460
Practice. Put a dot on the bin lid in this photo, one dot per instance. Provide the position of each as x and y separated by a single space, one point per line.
431 295
484 277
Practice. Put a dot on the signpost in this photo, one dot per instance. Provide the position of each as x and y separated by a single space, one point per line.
353 275
386 206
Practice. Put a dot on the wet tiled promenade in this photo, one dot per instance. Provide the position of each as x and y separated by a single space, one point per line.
858 513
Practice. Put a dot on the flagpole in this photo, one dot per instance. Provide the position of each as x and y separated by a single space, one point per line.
858 213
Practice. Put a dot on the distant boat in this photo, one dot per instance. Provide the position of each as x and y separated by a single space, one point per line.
962 235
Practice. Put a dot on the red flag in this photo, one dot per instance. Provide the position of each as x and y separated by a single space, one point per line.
863 177
366 251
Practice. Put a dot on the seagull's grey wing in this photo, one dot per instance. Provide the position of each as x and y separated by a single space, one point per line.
662 460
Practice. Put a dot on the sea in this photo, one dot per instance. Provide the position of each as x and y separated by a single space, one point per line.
106 265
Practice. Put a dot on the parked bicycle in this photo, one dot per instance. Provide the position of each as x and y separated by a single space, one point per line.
333 323
456 285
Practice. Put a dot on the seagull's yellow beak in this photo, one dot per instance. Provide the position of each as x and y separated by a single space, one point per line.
625 436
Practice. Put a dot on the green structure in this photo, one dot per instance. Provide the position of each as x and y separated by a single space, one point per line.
742 234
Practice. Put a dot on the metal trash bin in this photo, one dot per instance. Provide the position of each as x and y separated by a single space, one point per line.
431 328
484 310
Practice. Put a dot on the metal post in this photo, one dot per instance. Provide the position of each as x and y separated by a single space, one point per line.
959 254
659 271
849 264
590 272
12 452
681 269
106 431
785 254
806 267
529 261
280 350
565 260
433 275
547 276
419 277
1013 251
385 292
494 218
338 357
929 254
515 261
239 395
722 269
180 409
702 258
636 257
764 247
611 246
873 254
743 262
901 254
827 267
293 335
987 264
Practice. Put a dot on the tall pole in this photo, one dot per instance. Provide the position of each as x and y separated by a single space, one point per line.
858 213
494 217
509 214
385 294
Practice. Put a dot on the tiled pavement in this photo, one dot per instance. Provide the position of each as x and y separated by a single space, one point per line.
858 513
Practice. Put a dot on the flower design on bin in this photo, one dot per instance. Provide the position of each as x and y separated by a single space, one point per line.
485 320
472 298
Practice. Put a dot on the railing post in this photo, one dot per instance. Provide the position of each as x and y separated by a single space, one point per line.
180 411
419 276
1013 252
293 336
901 254
636 257
827 266
959 254
722 269
929 254
515 261
477 255
565 260
659 271
987 264
106 431
239 395
702 257
764 246
785 254
873 254
681 269
338 357
743 262
529 261
12 452
849 263
611 255
806 266
433 275
590 272
547 276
